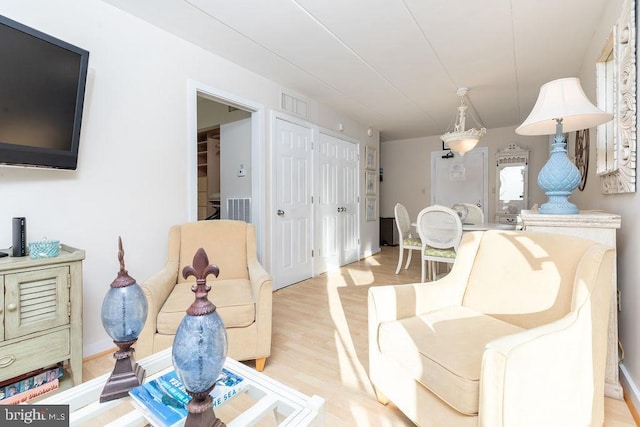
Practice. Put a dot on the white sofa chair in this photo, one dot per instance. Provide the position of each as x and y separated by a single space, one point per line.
242 292
515 335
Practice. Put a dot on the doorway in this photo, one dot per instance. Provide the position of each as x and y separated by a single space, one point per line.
460 179
216 114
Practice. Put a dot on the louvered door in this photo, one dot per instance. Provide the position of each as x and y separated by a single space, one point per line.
36 300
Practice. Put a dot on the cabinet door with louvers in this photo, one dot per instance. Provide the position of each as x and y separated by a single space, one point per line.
36 300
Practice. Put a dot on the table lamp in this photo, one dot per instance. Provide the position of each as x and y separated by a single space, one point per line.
124 311
562 106
200 346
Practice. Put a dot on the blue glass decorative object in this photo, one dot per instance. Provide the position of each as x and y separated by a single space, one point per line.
124 312
200 345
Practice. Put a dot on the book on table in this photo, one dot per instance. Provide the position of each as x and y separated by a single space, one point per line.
163 400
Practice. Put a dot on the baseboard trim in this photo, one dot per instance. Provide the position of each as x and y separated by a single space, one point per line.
97 347
631 393
97 355
371 252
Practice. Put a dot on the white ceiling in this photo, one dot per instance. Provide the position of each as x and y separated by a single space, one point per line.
394 65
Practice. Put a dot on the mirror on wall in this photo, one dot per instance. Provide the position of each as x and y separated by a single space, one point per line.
616 90
512 179
512 183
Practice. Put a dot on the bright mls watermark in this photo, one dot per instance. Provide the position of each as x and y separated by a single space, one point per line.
34 415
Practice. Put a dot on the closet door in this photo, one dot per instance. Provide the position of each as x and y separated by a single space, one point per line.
293 205
336 204
349 201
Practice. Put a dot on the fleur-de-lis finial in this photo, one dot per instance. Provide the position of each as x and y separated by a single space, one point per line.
123 279
200 269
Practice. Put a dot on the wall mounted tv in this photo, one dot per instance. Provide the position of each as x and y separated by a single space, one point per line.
42 85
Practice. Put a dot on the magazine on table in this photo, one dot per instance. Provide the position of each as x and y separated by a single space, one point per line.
163 401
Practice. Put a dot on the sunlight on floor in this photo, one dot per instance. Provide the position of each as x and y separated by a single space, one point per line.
360 277
352 372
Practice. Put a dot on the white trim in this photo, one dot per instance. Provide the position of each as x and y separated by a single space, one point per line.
90 349
630 387
258 175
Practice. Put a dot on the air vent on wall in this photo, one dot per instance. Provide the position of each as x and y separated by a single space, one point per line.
294 105
239 208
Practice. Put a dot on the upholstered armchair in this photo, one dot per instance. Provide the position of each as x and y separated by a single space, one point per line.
242 292
515 335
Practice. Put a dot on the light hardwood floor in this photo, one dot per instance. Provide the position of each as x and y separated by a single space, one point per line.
320 343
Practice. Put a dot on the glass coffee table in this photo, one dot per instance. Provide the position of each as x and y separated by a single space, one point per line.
265 402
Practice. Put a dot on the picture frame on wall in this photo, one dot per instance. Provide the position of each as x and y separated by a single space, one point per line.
370 183
369 158
370 208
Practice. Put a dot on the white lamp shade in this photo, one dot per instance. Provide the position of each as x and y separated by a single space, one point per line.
562 99
461 146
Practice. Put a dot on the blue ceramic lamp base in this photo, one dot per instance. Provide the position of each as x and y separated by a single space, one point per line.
558 178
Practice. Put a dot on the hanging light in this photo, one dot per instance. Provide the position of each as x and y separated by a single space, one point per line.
460 140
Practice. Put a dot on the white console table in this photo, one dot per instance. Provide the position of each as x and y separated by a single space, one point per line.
600 227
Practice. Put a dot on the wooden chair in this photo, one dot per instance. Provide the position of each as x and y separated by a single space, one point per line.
440 231
407 240
471 214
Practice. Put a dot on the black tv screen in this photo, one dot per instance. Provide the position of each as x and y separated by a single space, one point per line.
42 85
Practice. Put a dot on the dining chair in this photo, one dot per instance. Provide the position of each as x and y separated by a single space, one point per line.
471 214
440 230
407 239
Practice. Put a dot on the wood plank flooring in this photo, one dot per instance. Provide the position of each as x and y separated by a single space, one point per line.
320 343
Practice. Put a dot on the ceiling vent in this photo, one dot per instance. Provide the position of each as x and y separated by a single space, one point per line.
294 105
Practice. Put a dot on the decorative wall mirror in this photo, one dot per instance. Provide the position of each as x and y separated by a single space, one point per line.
512 181
616 79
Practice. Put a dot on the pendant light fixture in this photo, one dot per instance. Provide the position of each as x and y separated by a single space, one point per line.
460 140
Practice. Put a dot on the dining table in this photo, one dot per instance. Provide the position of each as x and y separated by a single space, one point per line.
482 226
487 226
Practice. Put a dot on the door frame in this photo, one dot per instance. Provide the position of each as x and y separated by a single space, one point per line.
258 170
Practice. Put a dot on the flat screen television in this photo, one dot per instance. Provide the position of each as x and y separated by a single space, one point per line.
42 85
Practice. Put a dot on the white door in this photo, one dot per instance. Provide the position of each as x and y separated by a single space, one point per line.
293 207
349 202
460 179
336 206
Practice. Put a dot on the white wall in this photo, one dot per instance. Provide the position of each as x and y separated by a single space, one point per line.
235 150
626 205
132 171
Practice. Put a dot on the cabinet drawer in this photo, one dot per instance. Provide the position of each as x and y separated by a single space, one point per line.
33 353
35 301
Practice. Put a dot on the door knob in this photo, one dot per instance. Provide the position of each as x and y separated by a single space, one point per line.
280 212
12 307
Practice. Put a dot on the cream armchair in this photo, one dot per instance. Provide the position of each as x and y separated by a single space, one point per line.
242 292
515 335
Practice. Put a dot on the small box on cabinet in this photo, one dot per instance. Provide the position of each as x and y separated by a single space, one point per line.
44 249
